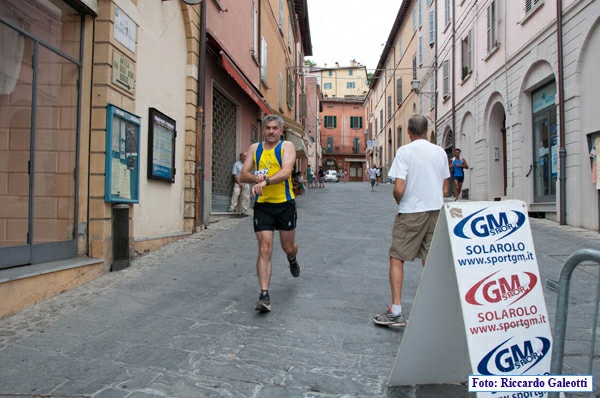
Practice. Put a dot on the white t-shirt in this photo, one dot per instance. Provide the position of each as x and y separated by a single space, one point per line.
237 168
372 173
423 166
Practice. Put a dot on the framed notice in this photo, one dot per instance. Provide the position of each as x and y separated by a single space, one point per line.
161 147
122 156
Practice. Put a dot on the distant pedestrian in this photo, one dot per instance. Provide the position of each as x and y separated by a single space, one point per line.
458 165
241 191
309 176
275 208
421 174
321 175
299 179
372 176
378 178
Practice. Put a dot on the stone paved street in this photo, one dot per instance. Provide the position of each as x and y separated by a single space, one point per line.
180 322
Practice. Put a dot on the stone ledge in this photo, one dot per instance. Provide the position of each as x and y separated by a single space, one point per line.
28 271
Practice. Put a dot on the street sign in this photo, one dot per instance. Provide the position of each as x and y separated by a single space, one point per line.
479 308
123 75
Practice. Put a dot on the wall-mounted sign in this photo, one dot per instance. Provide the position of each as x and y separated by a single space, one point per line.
544 97
122 156
125 29
123 75
161 146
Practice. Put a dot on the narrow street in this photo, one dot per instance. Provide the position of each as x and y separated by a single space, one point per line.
180 322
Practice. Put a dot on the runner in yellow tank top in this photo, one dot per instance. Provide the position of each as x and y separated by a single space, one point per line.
274 208
269 161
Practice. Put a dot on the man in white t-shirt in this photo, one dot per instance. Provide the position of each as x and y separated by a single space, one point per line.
421 172
372 175
239 188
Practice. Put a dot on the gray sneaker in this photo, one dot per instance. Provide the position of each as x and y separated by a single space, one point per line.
387 319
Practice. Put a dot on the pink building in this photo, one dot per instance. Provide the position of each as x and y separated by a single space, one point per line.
343 137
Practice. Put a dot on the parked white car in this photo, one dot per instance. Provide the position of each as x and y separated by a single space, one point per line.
331 176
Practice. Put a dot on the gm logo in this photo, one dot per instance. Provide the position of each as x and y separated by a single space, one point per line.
494 290
482 226
517 359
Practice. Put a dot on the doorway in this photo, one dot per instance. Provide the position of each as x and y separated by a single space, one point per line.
223 151
356 171
39 130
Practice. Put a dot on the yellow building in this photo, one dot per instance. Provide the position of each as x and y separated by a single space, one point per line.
95 138
343 81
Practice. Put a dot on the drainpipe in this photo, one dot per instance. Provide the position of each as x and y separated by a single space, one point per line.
562 151
435 73
201 124
453 93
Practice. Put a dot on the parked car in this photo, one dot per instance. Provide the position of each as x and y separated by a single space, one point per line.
331 176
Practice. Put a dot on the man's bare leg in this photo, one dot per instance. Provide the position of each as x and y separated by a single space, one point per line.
396 279
264 268
290 247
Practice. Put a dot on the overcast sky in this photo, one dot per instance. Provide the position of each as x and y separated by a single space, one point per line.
342 30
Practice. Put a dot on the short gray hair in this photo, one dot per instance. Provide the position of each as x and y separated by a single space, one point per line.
417 124
272 118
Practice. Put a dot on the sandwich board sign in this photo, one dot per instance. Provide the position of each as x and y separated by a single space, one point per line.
479 308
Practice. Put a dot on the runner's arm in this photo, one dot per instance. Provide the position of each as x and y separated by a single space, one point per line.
246 175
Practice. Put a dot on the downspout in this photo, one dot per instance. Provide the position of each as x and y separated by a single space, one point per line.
453 93
562 151
435 71
201 124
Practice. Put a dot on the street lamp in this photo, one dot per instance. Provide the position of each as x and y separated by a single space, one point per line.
416 84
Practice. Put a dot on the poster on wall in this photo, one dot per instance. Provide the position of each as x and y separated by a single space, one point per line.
161 147
122 156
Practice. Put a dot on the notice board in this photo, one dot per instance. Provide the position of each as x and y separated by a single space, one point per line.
122 156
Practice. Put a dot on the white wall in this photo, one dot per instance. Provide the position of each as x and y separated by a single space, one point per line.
161 84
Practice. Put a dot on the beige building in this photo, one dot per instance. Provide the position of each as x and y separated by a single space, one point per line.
106 139
342 81
403 83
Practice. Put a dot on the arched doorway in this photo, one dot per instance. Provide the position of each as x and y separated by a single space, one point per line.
497 181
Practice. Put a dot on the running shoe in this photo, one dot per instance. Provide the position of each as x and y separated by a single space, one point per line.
264 303
294 267
387 319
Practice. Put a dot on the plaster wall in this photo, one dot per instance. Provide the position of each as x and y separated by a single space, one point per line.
161 85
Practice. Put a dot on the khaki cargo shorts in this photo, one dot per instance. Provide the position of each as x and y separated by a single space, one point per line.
412 234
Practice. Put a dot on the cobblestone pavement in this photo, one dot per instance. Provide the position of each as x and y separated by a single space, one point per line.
180 321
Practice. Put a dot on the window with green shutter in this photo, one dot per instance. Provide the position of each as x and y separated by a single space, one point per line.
356 122
330 122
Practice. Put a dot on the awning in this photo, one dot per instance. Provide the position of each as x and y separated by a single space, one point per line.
299 143
294 132
238 76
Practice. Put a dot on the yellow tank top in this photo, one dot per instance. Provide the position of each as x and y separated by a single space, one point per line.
269 162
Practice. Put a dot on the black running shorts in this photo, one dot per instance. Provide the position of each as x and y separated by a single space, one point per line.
272 216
